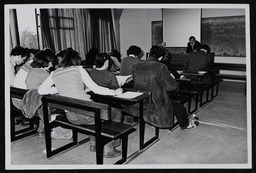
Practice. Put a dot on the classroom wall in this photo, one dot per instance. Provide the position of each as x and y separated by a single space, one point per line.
135 28
221 13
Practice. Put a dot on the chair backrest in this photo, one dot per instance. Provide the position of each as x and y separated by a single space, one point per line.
77 105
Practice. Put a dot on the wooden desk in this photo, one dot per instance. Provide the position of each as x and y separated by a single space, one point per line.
115 101
200 84
185 83
199 73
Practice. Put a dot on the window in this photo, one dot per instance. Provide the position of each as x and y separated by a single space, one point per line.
27 26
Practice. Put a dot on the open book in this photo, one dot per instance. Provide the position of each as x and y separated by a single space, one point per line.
124 79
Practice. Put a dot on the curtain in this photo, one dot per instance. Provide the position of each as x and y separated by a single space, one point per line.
45 30
80 29
102 25
13 27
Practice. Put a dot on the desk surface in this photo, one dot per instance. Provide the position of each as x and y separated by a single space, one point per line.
199 73
187 78
117 99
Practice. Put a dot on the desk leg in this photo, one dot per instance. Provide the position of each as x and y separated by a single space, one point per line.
47 128
142 126
142 131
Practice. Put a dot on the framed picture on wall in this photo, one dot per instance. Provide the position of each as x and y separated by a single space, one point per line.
157 32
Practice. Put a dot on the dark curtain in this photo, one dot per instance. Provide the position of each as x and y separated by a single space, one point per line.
13 27
103 29
45 30
80 29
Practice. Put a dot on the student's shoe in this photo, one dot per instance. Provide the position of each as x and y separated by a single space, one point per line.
92 148
112 154
192 125
195 117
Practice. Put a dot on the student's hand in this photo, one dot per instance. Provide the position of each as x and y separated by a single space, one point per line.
113 58
118 91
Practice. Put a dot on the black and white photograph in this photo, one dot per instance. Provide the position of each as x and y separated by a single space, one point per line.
127 86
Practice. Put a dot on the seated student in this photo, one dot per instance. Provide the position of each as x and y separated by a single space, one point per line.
90 57
17 57
116 57
133 58
60 55
31 54
70 80
171 68
31 76
101 75
193 45
200 60
154 76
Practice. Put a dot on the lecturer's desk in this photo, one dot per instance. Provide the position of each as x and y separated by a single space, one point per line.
114 101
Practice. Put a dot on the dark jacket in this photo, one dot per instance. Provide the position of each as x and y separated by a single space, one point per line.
189 49
171 68
154 76
199 61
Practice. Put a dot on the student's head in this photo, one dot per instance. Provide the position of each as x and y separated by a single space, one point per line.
32 52
205 48
167 55
19 55
60 55
90 56
192 39
44 59
115 53
157 51
71 58
134 50
103 60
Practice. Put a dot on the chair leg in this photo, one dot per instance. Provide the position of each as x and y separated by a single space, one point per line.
124 150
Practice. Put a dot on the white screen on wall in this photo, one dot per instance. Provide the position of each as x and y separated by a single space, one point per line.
179 25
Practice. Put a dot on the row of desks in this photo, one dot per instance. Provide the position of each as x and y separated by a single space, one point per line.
117 101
